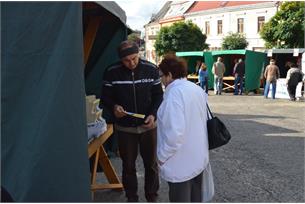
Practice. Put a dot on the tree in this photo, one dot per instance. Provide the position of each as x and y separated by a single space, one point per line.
234 41
134 37
181 36
286 28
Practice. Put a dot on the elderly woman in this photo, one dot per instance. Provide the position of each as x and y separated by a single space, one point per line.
182 147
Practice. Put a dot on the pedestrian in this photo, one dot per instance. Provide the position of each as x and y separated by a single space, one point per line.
271 74
182 133
239 72
235 61
197 67
203 77
294 76
218 70
133 85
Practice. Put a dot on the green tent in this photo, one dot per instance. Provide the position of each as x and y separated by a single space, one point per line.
254 63
110 32
192 57
44 149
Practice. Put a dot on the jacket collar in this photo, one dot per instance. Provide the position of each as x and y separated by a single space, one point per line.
175 83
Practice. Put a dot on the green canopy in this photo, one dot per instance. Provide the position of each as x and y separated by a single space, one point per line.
110 33
192 57
254 64
44 142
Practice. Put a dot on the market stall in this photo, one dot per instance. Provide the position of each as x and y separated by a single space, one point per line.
282 56
254 64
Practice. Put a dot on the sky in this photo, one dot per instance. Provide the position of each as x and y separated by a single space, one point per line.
139 12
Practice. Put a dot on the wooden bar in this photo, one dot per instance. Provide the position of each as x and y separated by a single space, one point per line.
101 157
226 84
89 37
96 143
108 168
95 187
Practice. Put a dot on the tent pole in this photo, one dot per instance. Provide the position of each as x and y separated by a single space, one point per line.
90 35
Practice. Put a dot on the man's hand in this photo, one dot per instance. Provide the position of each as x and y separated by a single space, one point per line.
119 111
149 122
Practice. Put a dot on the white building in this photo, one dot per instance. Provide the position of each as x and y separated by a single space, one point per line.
218 19
151 31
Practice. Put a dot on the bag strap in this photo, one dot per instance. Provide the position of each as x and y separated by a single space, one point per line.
209 113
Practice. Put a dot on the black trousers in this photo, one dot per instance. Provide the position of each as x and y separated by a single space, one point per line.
129 145
187 191
291 91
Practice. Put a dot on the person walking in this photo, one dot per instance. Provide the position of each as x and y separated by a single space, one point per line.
133 85
271 74
294 76
203 77
239 72
182 148
218 70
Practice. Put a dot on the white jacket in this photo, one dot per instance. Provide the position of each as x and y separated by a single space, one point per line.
182 131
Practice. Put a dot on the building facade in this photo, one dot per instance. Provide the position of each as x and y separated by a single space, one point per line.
219 19
170 13
216 19
151 31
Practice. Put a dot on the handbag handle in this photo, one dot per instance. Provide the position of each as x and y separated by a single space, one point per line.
209 113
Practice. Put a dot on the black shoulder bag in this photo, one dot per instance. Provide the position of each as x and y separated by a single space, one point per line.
218 134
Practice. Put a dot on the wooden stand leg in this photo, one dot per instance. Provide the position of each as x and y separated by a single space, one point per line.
96 147
109 171
93 176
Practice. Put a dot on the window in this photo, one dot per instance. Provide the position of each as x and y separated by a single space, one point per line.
260 23
240 25
219 27
207 27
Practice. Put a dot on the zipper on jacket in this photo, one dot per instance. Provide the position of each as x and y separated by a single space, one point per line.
134 92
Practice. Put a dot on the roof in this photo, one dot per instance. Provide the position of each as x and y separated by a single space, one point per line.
286 51
207 5
114 8
228 52
217 52
192 53
178 8
161 12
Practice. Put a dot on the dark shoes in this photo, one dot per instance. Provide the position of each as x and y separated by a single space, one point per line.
152 200
133 200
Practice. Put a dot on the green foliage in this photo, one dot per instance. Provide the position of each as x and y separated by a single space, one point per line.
286 28
133 37
234 41
181 36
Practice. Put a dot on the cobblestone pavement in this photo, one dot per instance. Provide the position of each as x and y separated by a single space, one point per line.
264 161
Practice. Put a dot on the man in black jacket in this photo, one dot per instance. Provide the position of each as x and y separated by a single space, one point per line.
133 86
239 72
293 78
